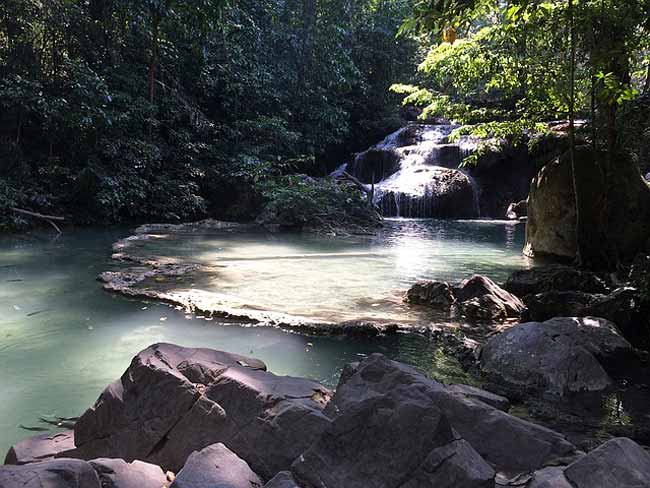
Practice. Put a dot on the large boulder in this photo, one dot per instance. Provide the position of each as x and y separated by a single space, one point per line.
560 356
482 299
172 401
614 209
551 228
216 466
55 473
387 441
477 299
624 307
619 462
42 447
507 443
543 279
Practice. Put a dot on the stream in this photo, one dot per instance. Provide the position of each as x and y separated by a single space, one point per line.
63 338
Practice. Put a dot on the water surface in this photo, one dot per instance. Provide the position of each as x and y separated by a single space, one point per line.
63 339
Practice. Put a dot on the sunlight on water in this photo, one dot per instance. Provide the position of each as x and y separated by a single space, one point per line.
336 279
63 339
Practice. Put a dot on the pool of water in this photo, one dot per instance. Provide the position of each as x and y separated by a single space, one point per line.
338 279
63 339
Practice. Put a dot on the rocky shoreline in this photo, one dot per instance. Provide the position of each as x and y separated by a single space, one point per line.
189 418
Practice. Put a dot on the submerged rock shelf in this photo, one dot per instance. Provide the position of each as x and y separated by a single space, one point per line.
155 265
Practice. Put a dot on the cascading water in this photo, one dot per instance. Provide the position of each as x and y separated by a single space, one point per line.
415 173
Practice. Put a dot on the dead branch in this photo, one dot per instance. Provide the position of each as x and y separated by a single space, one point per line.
48 218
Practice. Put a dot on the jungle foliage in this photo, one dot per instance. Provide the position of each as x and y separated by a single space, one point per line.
114 110
509 66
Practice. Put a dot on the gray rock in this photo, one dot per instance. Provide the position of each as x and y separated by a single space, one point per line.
554 278
478 286
283 479
477 298
173 401
387 441
619 462
55 473
550 304
437 294
551 205
492 399
216 466
41 447
624 307
506 442
559 356
117 473
551 477
482 299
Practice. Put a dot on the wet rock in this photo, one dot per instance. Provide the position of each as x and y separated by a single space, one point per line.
517 210
41 447
439 193
283 479
117 473
508 443
554 278
216 466
364 328
492 399
629 311
438 294
477 298
56 473
624 307
545 306
172 401
387 441
559 356
619 462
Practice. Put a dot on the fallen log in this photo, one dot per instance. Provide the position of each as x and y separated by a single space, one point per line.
48 218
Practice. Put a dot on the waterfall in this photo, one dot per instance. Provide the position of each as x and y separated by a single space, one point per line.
415 171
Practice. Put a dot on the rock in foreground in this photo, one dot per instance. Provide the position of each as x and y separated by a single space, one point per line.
559 356
507 443
216 466
384 441
74 473
172 401
619 463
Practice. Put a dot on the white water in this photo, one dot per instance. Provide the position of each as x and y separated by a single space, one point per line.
422 173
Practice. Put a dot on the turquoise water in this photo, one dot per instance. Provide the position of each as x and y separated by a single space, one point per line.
63 339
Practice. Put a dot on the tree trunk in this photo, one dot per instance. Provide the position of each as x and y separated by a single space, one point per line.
153 65
572 136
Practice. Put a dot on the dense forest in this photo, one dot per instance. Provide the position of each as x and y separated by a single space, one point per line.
116 111
169 110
